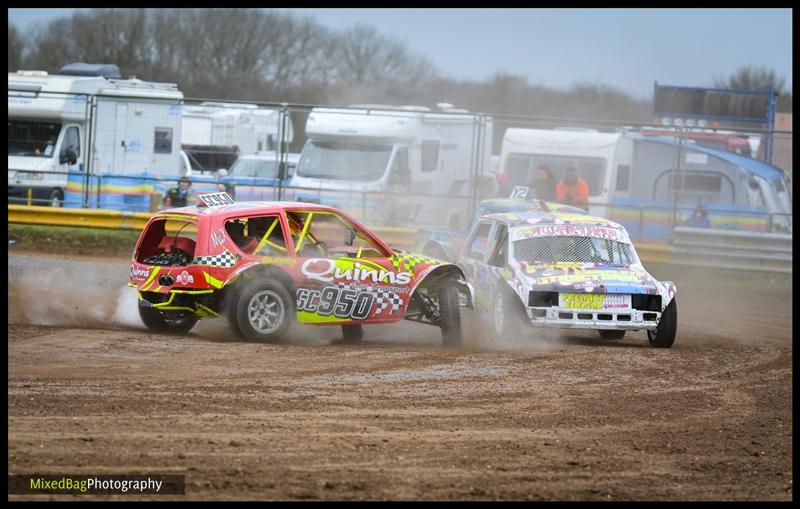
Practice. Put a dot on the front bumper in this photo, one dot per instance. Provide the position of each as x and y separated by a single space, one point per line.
558 317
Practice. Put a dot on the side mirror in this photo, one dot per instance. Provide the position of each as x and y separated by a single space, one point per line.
351 237
68 156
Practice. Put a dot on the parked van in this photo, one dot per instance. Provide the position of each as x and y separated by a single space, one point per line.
87 120
395 165
638 180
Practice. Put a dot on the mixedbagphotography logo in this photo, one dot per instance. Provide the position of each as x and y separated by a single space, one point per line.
65 484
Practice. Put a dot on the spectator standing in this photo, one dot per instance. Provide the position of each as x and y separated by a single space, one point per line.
573 190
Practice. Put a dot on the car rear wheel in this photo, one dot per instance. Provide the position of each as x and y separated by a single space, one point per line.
450 316
263 310
664 335
352 333
612 334
160 321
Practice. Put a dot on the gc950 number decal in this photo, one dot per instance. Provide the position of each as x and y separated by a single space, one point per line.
339 302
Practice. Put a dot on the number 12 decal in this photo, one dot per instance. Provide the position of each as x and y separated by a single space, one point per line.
336 301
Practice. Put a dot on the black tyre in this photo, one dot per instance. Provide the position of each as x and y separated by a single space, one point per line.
450 316
352 333
612 334
56 198
264 310
508 314
664 335
231 296
160 321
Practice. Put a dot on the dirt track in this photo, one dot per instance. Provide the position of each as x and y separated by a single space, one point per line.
569 417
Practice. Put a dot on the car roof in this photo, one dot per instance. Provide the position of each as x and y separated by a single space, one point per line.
526 218
245 208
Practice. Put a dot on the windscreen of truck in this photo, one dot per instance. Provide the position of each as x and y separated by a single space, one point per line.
36 139
344 160
561 249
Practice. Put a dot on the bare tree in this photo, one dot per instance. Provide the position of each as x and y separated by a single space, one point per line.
751 77
15 48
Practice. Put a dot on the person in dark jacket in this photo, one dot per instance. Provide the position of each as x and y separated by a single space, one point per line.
543 184
178 196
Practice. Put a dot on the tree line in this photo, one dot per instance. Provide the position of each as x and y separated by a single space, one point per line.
273 56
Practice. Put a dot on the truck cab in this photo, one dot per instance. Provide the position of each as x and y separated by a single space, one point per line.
394 165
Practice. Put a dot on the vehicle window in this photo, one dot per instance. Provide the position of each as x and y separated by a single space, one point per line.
258 168
327 234
518 169
623 177
558 249
37 139
430 155
260 235
71 140
344 160
163 140
479 242
499 246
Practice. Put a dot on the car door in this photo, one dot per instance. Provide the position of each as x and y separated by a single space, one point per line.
344 275
476 253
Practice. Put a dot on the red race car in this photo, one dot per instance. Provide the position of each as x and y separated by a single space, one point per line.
267 264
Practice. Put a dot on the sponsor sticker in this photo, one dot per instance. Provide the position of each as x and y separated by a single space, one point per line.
139 273
184 278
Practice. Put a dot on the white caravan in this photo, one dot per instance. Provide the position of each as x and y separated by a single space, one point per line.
595 155
87 120
394 165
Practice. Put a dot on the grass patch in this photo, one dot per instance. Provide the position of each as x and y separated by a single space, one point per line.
72 241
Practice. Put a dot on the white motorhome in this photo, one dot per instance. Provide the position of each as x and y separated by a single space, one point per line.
86 120
224 126
637 179
394 165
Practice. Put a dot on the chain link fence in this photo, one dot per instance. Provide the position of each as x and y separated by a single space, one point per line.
386 165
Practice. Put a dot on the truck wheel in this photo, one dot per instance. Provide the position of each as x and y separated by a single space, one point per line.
159 321
450 316
612 334
264 310
664 335
352 333
56 198
508 315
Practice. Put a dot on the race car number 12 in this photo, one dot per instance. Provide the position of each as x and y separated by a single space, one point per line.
336 301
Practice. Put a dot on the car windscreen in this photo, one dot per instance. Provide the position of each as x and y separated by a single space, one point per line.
572 249
259 168
344 160
37 139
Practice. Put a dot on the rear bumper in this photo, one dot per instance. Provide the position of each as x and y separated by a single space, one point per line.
593 318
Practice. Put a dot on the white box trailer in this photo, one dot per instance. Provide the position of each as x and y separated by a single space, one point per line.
87 119
427 162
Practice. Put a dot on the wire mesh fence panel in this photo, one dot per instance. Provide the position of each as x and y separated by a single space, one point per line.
387 165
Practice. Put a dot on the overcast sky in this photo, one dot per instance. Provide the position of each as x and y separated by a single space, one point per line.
625 48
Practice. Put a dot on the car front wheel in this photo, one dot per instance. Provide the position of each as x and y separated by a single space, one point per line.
450 316
664 335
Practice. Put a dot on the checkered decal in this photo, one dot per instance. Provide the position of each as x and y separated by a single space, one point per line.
383 298
410 261
225 260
